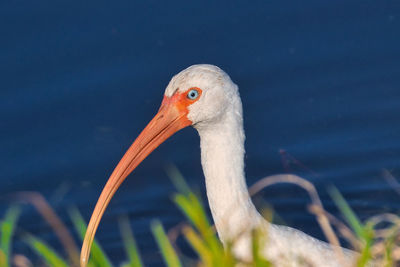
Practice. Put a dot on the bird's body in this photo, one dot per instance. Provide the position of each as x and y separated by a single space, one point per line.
205 97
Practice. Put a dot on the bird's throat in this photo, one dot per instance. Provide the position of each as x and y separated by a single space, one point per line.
222 158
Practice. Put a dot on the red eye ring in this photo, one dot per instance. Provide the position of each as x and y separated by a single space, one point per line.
193 93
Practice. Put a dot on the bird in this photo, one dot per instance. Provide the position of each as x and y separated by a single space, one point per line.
205 97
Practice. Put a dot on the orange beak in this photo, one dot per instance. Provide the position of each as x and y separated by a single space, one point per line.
171 117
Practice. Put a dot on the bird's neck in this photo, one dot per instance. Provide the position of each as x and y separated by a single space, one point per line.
222 158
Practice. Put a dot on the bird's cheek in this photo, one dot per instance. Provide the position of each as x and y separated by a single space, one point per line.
195 113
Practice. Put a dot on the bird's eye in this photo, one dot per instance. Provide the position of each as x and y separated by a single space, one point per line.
193 94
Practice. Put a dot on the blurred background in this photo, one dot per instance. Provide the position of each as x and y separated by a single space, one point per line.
79 81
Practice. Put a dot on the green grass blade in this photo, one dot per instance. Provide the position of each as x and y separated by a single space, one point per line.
178 180
129 243
390 244
169 255
348 213
188 210
3 259
257 240
98 256
197 243
366 253
364 232
194 211
7 228
187 201
50 257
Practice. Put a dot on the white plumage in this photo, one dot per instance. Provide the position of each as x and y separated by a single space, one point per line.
205 97
217 116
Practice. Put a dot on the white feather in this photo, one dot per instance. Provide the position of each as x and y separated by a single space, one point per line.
217 116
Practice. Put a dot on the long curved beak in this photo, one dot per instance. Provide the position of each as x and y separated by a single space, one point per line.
169 119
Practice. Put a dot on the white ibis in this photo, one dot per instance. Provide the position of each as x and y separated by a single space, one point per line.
205 97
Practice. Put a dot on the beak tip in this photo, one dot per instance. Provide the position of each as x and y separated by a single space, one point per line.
83 262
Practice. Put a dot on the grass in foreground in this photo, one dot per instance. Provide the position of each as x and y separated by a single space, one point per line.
377 238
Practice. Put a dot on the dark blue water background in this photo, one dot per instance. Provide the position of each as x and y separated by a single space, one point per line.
79 80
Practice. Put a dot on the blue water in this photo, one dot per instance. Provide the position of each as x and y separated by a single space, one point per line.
79 80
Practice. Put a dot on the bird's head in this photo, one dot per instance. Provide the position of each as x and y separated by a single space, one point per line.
196 96
205 91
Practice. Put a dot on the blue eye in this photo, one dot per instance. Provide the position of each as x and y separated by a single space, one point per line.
193 94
